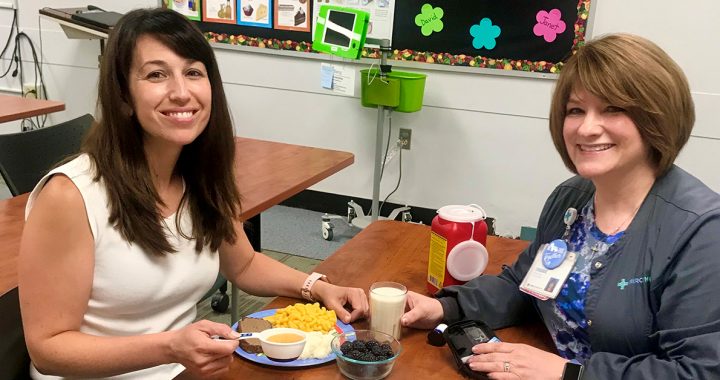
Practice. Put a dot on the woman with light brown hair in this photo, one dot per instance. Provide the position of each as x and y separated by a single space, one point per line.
122 241
633 239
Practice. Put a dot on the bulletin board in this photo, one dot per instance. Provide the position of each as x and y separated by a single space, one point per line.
516 35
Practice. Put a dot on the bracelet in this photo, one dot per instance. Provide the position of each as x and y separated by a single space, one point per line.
309 282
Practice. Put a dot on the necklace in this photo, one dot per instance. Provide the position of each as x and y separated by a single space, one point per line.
596 247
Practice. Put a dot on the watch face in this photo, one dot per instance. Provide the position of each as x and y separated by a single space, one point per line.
572 371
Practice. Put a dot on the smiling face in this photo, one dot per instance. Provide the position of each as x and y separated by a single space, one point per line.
171 95
602 140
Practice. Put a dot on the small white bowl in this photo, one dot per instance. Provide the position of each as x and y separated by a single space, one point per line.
282 352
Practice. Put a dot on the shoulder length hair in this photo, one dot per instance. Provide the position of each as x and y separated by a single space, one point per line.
115 143
634 73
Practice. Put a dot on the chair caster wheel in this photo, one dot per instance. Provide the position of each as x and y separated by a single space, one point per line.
406 216
220 302
327 233
351 214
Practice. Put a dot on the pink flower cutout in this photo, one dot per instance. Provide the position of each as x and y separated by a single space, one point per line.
549 24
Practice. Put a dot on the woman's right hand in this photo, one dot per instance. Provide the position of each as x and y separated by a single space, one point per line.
202 356
422 312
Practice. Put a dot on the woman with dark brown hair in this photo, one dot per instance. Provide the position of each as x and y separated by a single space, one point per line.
632 241
122 241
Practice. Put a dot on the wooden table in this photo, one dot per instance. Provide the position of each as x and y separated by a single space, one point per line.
396 251
267 174
18 108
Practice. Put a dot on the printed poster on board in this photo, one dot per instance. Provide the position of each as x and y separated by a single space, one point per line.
222 11
382 13
188 8
292 15
255 13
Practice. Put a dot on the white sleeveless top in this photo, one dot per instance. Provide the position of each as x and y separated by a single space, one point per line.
134 292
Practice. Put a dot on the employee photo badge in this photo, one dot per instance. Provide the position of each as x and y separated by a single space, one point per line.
549 270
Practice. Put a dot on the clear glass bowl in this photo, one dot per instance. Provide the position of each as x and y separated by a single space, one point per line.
362 370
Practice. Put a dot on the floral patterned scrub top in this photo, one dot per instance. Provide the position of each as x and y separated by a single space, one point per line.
565 315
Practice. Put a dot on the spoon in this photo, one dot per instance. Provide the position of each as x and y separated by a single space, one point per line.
242 336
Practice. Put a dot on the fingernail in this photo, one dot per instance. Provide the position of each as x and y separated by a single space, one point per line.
234 334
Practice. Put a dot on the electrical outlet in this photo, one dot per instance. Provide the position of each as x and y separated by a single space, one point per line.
404 137
29 90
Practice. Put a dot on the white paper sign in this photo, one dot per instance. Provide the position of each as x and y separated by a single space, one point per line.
343 79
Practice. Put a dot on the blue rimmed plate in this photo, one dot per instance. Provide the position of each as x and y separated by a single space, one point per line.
340 327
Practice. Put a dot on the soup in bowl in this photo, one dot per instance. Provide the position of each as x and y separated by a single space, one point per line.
282 344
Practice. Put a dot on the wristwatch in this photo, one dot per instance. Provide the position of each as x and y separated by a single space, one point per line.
309 282
572 371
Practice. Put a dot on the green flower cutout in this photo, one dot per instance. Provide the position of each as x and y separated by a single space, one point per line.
430 20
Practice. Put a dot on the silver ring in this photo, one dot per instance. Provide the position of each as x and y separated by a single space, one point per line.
506 366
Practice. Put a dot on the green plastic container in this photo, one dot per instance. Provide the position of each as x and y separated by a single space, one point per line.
404 91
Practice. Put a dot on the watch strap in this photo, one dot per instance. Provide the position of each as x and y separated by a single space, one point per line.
309 282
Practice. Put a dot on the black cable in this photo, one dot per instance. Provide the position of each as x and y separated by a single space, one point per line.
12 61
36 61
397 186
20 61
12 28
37 70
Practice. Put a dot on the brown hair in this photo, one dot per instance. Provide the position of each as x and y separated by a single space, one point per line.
631 72
115 143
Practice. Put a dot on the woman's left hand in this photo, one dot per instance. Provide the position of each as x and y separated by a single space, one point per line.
515 361
338 297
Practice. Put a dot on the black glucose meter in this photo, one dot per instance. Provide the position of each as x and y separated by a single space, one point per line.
461 337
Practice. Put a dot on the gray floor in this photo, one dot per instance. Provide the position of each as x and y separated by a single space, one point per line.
288 229
4 191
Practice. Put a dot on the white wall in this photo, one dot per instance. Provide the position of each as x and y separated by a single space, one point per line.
478 139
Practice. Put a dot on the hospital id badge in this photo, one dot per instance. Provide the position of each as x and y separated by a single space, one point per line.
544 281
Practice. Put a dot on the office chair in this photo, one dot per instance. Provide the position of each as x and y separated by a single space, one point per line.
14 357
26 156
220 301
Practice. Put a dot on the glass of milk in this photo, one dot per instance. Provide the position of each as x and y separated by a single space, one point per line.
387 305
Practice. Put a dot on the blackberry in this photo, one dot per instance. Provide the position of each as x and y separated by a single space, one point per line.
367 357
346 347
377 350
367 351
363 346
359 345
354 354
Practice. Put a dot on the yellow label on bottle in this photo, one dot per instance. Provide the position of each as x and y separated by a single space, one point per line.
436 260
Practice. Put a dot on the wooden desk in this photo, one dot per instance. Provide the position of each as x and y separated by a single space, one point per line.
396 251
17 107
267 173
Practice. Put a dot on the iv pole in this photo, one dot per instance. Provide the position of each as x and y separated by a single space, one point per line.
359 219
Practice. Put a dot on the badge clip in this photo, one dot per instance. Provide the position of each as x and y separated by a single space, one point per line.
569 218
